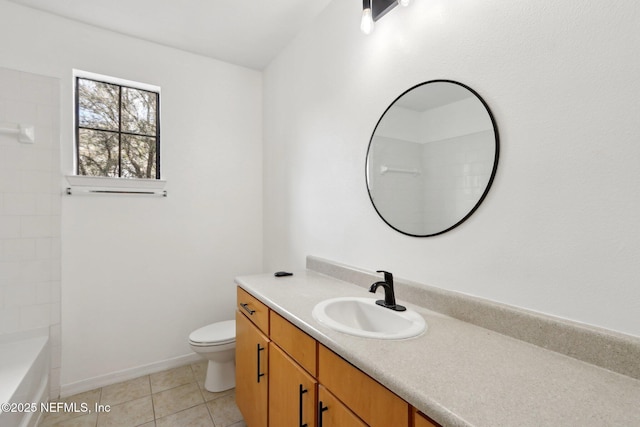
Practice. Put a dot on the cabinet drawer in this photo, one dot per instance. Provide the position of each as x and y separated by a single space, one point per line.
367 398
300 346
256 311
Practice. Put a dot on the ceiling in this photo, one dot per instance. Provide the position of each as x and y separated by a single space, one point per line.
244 32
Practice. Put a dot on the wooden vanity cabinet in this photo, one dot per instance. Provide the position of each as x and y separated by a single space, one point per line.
371 401
421 420
284 378
300 346
333 413
252 360
292 392
292 369
255 311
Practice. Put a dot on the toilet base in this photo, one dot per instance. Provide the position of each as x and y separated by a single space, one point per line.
221 376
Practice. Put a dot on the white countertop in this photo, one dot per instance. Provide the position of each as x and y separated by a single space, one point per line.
457 373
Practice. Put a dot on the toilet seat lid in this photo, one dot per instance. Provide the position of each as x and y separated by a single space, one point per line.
215 333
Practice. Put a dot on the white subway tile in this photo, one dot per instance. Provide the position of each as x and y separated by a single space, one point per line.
56 248
44 138
35 181
36 271
54 382
45 115
20 295
9 320
35 158
43 204
56 356
55 313
56 203
54 333
43 248
10 180
55 291
21 112
9 155
19 204
55 225
56 270
18 249
35 316
35 226
43 293
10 273
30 206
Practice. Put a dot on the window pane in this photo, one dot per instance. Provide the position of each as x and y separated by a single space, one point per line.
98 105
138 111
138 157
98 153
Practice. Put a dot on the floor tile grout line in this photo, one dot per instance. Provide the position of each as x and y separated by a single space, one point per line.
210 415
153 405
194 380
99 401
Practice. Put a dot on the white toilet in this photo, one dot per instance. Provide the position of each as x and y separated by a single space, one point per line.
217 343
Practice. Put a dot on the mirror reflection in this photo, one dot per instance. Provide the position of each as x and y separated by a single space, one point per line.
432 158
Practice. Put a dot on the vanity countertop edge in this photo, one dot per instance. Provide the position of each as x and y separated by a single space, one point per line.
458 373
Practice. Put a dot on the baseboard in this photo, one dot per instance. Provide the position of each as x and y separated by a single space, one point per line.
126 374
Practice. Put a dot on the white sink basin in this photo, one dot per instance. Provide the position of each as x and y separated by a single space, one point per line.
363 318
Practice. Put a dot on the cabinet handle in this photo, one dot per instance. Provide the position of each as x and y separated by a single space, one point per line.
302 391
321 409
259 350
247 309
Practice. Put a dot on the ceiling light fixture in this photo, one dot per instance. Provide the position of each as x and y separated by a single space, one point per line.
366 25
372 10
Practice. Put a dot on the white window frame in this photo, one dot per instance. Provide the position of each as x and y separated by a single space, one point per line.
107 185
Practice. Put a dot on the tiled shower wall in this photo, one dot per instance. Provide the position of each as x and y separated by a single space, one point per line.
30 211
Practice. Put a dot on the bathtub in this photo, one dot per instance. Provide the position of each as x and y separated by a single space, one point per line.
24 376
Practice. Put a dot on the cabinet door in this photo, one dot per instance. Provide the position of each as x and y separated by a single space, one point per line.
292 392
332 413
421 420
371 401
252 362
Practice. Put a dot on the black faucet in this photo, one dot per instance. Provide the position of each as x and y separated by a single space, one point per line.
389 296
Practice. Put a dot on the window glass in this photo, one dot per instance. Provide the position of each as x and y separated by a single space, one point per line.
117 130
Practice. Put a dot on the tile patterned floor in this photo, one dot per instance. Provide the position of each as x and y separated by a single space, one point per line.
172 398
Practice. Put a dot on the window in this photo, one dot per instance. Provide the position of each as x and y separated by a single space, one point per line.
117 129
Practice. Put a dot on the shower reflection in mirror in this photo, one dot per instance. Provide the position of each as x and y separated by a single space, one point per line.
432 158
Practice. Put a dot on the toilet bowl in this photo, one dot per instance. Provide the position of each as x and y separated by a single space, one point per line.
217 343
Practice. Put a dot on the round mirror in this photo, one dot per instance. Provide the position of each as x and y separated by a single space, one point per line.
432 158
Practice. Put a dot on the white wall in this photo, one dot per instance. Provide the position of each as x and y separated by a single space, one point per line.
140 273
558 231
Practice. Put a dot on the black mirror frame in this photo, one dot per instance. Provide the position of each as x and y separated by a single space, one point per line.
493 171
